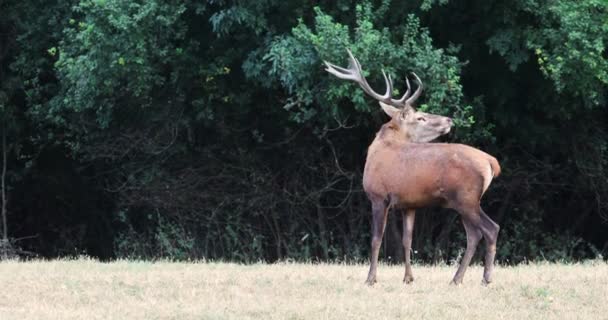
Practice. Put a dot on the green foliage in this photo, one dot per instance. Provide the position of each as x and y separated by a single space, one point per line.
115 52
296 62
428 4
518 245
168 239
568 44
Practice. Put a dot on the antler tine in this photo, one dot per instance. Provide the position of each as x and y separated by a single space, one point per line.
416 94
389 87
401 101
386 98
339 72
353 72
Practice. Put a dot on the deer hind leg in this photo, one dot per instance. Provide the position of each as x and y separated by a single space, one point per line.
474 234
379 214
408 229
490 231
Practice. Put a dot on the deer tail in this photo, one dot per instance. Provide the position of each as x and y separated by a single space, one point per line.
495 167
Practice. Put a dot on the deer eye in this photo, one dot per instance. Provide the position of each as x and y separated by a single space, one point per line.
421 119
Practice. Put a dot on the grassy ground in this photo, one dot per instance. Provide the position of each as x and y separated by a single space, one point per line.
86 289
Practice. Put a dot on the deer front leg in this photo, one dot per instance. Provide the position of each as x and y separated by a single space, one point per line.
408 229
473 237
379 213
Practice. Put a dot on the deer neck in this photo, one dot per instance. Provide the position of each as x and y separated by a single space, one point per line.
390 135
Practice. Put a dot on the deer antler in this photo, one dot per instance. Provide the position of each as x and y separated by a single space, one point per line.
354 73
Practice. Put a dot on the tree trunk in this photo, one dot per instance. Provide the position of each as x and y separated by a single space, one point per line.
4 224
6 249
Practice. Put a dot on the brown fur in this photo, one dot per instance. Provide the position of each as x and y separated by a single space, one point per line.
427 172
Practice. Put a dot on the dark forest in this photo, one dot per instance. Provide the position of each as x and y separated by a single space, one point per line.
210 129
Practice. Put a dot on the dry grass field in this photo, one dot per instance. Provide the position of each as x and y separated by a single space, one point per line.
87 289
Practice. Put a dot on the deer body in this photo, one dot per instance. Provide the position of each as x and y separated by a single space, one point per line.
426 176
404 170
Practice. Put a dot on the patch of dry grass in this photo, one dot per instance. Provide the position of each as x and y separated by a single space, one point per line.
86 289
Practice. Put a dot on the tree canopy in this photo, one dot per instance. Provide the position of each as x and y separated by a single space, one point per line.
191 129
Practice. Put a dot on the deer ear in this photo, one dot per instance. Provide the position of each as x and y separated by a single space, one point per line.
389 110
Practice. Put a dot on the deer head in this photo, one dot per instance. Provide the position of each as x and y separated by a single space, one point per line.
406 121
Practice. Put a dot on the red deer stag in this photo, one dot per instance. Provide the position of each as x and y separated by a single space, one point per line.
403 170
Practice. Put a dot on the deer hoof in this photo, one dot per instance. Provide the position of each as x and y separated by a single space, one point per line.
485 282
370 282
456 282
408 279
